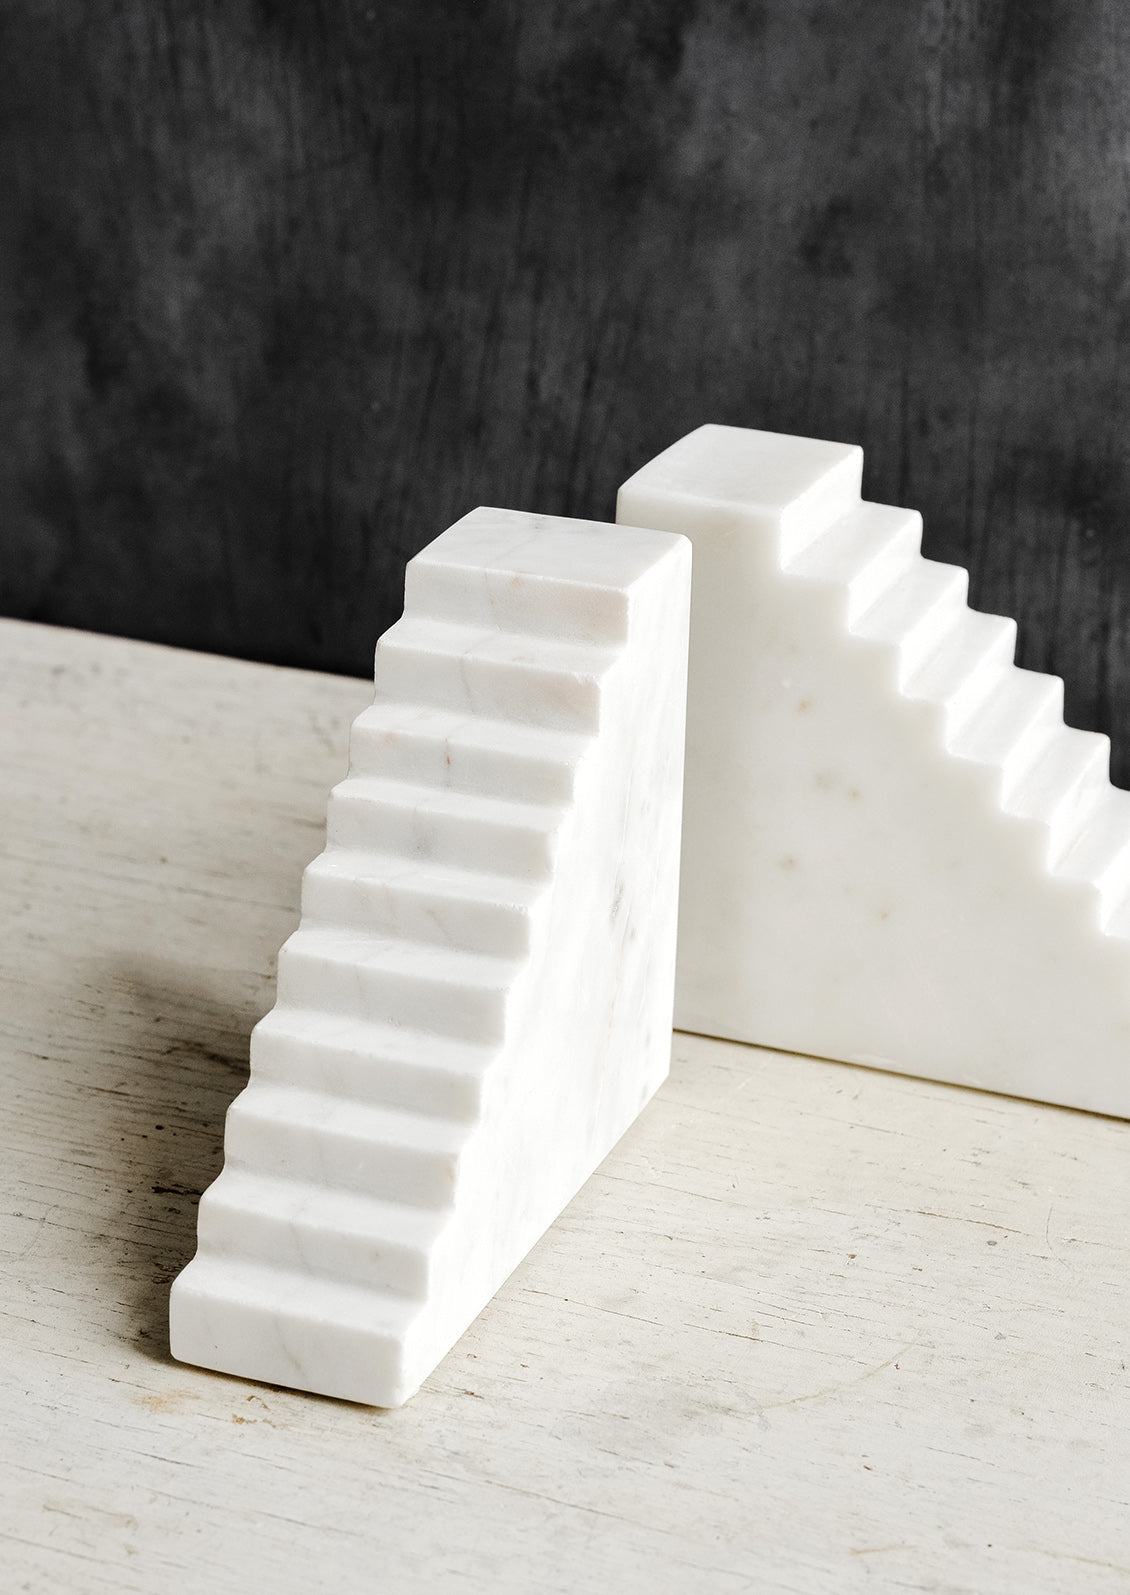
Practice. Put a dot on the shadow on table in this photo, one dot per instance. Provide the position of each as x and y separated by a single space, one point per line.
188 1032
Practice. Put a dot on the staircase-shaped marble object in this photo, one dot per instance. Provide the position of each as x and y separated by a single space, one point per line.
477 1002
894 851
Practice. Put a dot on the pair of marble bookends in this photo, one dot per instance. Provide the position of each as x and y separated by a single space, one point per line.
893 853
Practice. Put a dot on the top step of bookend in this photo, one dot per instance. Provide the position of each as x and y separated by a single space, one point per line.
725 478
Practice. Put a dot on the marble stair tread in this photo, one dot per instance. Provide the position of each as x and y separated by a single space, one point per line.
288 1327
1008 722
789 488
457 992
296 1294
430 745
540 656
346 945
424 901
864 552
966 666
380 1151
1100 853
520 581
1065 780
497 834
505 675
266 1101
427 875
333 1234
570 611
915 612
366 1061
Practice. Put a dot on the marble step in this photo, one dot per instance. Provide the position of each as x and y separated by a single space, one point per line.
422 901
790 494
968 664
397 982
288 1132
827 495
1006 729
493 834
1063 784
365 1061
1099 854
577 601
504 675
864 552
330 1234
916 612
431 746
269 1324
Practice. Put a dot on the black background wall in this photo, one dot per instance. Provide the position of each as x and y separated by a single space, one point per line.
289 285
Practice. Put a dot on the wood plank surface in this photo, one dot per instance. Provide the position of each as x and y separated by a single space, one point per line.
810 1328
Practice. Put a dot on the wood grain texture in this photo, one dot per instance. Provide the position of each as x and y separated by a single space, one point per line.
285 289
809 1328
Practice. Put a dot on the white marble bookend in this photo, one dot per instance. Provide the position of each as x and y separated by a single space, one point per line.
477 1002
894 851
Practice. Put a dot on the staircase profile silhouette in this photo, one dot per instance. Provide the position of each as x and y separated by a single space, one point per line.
895 852
477 1002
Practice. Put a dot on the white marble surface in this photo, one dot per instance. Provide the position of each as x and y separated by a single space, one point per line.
477 1003
895 853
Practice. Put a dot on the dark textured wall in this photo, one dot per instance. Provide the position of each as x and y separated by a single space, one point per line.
289 285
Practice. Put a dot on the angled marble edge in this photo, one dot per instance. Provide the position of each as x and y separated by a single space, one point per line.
477 1002
894 851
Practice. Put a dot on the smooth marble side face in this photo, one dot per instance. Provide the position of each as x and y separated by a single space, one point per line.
478 1001
591 1023
853 886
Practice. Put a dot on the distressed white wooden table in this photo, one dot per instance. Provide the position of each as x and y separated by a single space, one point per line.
809 1329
